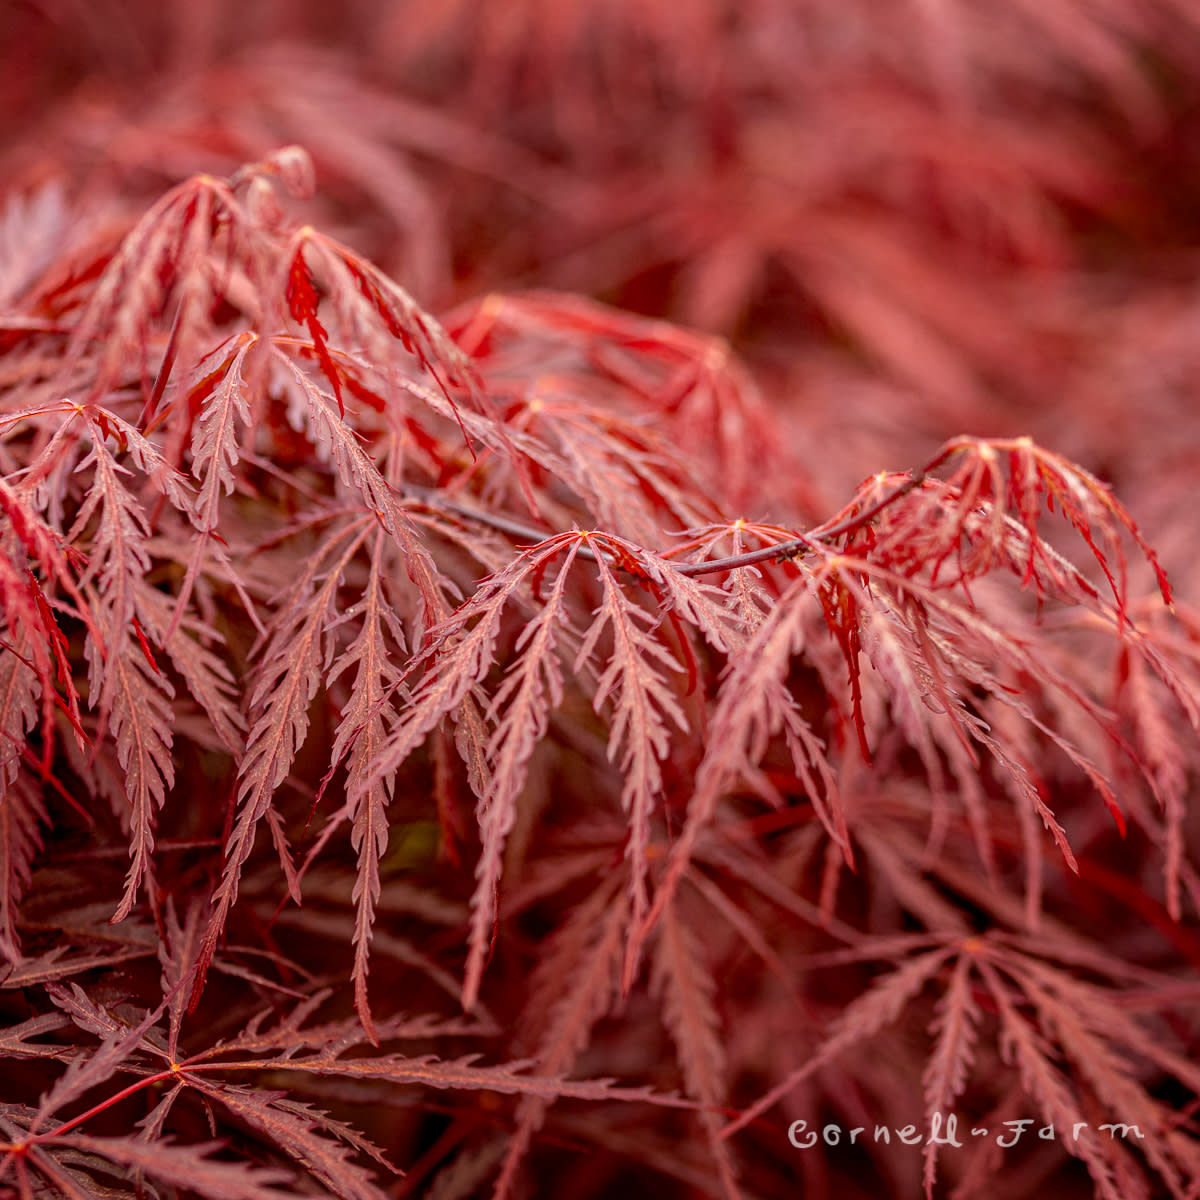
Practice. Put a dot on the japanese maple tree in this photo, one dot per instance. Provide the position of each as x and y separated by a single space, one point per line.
499 753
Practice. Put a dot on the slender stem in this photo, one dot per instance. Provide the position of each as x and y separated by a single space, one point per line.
108 1102
179 1069
805 541
780 550
857 520
436 500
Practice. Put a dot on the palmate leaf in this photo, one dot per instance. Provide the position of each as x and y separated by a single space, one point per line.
643 703
900 592
121 1045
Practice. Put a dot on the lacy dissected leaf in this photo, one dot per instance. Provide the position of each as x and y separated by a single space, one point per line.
993 485
302 1133
190 1167
373 310
510 1079
205 672
172 253
870 1012
703 398
1073 1044
286 679
946 1071
753 706
22 814
128 687
643 702
1098 1041
335 439
626 474
36 643
139 700
927 643
121 1043
577 975
362 732
60 962
687 989
15 1043
519 711
1159 749
223 396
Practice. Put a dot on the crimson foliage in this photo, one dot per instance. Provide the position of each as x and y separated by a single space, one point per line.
474 756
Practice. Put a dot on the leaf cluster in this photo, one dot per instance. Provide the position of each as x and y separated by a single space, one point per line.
512 752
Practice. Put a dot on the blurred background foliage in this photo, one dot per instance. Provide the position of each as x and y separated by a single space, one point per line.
914 218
